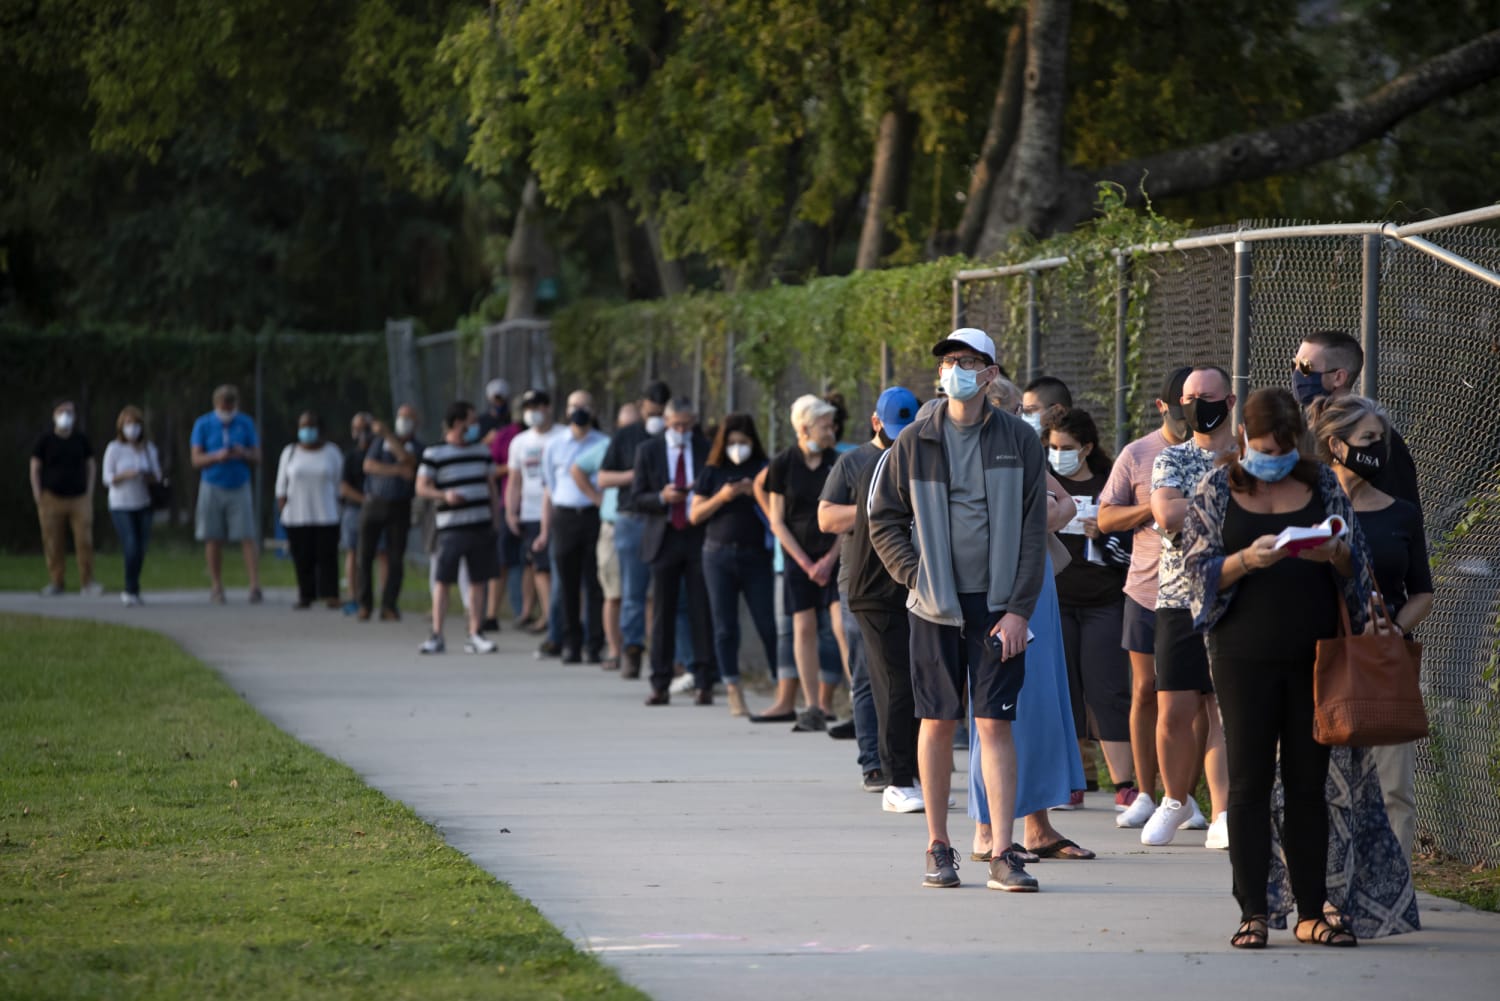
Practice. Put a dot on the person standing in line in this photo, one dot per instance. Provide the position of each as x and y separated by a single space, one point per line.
672 546
1353 436
736 556
307 498
224 446
390 468
585 473
793 482
1090 594
874 607
958 515
131 465
1044 396
62 485
1184 687
497 415
1125 505
524 495
512 582
351 502
570 525
455 473
618 472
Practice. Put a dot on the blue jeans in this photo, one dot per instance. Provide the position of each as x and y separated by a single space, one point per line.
635 580
830 664
866 721
134 529
731 574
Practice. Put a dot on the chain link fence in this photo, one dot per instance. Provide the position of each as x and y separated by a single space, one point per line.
1431 326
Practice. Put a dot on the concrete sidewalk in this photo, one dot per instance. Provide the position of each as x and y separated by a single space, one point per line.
704 856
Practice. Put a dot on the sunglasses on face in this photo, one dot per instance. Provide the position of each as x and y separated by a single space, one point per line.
1305 368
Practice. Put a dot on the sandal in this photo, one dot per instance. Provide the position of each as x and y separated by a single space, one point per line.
1323 933
1251 933
1064 848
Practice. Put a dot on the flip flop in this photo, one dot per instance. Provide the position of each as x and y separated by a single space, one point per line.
1025 855
1064 849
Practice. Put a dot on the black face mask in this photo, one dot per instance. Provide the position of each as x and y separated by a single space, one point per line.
1206 416
1366 460
580 417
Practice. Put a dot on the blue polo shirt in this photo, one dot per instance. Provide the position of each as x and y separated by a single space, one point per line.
212 434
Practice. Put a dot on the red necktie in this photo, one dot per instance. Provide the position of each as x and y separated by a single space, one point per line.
679 480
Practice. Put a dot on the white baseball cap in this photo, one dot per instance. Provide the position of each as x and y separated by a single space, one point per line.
966 337
497 387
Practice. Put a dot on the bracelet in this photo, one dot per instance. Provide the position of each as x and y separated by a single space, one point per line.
1243 565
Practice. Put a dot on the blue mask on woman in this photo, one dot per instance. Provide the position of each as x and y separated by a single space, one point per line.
471 433
307 436
1268 468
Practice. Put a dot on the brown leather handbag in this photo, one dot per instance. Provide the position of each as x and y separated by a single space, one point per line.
1366 689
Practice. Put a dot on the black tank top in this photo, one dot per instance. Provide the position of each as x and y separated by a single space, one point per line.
1281 611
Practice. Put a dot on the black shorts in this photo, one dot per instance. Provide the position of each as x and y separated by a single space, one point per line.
1138 634
1181 654
539 560
475 546
509 547
802 592
946 658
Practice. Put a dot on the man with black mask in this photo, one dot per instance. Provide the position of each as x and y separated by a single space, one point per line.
1328 363
570 522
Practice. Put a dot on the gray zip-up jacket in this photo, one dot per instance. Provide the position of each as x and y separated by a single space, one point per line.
908 513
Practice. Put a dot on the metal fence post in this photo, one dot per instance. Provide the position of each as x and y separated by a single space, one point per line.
1369 318
698 374
1122 349
958 304
1033 329
731 398
1243 264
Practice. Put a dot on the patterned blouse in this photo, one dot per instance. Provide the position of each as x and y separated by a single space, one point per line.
1181 466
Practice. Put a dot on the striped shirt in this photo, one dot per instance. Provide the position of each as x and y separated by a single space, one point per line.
466 469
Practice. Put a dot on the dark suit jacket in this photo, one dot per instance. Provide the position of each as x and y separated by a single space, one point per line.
651 477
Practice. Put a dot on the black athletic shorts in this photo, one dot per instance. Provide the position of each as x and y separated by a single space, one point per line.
1138 633
1181 654
944 659
539 560
476 546
802 592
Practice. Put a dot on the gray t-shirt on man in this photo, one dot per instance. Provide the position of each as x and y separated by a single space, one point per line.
968 514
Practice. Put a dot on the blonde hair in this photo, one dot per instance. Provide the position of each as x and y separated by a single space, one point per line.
1004 394
808 409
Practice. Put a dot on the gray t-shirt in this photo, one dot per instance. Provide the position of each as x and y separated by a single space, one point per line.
839 489
968 514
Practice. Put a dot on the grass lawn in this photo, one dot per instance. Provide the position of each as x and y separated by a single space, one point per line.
160 839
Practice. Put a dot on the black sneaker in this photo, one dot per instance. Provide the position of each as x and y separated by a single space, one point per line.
1008 873
842 731
810 721
547 649
942 866
874 781
490 626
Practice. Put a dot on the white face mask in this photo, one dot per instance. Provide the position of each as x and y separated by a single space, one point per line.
1065 462
63 421
1035 420
655 425
738 454
534 418
132 431
225 416
404 427
677 439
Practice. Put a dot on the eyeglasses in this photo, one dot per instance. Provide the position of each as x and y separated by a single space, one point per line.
969 363
1305 368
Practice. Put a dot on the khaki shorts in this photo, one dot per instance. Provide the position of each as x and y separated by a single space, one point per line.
608 558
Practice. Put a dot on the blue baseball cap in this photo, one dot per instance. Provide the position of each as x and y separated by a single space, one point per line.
896 408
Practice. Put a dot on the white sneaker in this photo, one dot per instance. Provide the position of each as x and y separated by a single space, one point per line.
1162 827
93 589
1218 833
52 591
1197 822
1137 813
476 643
685 685
434 644
902 799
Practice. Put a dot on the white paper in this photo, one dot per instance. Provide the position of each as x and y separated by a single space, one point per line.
1086 509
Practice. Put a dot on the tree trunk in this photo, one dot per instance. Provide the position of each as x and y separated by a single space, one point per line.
524 255
888 179
633 264
668 270
999 137
1030 191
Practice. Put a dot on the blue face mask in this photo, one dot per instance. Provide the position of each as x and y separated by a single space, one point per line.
307 436
1307 388
471 433
959 383
1268 468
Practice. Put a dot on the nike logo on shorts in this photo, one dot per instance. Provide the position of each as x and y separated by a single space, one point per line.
1006 709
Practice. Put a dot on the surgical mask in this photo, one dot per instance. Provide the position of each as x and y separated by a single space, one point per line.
656 424
579 417
1268 468
1308 388
63 421
471 433
1205 416
1366 460
534 418
404 426
307 435
1035 420
225 416
959 383
132 431
1065 461
813 446
738 454
675 438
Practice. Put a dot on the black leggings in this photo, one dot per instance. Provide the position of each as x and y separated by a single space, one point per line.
1265 703
315 556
